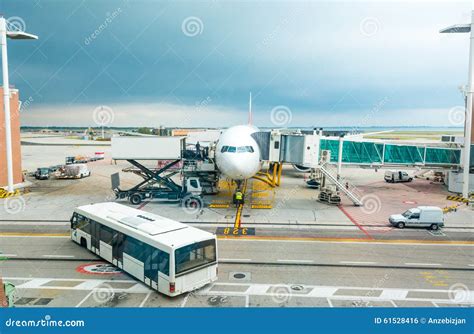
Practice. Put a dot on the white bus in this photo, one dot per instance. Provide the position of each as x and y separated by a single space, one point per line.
166 255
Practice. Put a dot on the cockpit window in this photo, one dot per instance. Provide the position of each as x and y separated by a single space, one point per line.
240 149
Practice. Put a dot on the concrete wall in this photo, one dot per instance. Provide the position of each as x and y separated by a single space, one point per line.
16 145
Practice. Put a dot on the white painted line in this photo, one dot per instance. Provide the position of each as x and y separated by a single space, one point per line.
8 255
85 298
356 262
145 299
362 243
247 298
435 305
470 265
329 302
297 261
242 260
59 256
393 303
421 264
185 299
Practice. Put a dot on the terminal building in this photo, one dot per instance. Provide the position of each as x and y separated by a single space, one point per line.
16 142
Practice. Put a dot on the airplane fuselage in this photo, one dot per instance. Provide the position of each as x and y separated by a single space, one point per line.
237 153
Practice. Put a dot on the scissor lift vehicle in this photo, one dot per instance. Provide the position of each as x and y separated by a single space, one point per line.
157 183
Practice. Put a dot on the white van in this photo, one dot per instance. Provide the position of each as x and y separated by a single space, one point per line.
74 171
422 216
397 176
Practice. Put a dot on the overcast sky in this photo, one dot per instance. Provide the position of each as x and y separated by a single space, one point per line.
194 63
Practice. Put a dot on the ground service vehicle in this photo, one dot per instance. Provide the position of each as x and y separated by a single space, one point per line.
170 257
422 216
42 173
397 176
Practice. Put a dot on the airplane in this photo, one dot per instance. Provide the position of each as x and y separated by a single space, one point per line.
237 153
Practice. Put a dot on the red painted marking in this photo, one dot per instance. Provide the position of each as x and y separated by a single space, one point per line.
410 202
86 269
142 205
355 223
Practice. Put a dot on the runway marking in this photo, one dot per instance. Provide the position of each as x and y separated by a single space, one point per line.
349 240
355 222
59 256
296 261
357 262
328 292
285 238
85 298
145 299
421 264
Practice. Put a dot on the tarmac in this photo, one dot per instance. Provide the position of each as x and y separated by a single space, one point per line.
303 253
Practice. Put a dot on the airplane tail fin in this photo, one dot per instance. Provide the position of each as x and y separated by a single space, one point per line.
250 120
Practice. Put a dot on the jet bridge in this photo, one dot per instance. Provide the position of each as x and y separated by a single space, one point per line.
311 149
305 149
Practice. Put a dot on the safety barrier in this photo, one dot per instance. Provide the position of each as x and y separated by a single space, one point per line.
457 198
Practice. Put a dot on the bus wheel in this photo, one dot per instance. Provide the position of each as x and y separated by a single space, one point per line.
135 199
83 243
434 227
401 225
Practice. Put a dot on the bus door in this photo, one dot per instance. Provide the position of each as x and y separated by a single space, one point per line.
95 236
117 249
151 267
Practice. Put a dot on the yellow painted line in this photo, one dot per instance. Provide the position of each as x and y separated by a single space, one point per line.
29 234
276 238
342 240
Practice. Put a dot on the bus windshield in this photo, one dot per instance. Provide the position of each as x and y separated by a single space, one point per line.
195 255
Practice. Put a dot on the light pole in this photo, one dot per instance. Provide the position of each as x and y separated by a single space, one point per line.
4 33
466 28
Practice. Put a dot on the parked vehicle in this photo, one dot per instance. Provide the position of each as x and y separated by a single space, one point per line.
393 176
74 171
42 173
422 216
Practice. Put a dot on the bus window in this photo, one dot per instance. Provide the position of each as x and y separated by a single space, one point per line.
135 248
83 224
224 149
106 234
231 149
164 262
195 255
